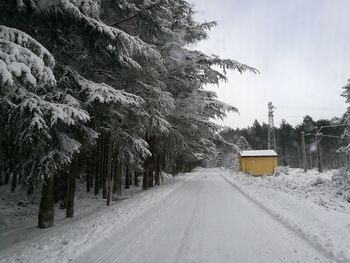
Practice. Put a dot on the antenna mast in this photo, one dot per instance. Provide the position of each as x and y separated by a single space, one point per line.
271 140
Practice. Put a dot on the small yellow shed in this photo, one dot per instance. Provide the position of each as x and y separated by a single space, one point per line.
258 162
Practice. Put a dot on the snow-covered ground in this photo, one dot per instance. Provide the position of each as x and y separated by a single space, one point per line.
207 220
21 241
210 215
19 212
315 205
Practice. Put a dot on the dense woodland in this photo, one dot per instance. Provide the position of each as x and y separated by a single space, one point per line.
289 145
107 89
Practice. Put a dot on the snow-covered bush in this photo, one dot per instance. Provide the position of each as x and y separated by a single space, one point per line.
282 170
341 181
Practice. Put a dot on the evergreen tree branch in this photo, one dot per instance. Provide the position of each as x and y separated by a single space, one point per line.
148 8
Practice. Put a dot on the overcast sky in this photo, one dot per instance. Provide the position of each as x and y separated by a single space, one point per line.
301 48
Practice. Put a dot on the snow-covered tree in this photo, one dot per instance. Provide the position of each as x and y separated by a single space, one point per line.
243 144
39 115
125 93
188 72
346 119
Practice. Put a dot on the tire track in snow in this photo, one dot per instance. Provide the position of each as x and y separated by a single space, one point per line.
183 250
151 219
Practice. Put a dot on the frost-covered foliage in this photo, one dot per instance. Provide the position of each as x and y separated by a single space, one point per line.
230 151
341 181
103 93
243 144
35 120
24 59
346 119
132 150
124 90
85 14
177 105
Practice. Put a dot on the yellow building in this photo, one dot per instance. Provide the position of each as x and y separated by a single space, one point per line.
258 162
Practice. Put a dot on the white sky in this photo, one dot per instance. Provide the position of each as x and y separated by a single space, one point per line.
301 48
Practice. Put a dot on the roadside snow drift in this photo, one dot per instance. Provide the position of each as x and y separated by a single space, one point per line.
313 204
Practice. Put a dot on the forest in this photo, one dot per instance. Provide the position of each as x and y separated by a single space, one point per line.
332 143
108 90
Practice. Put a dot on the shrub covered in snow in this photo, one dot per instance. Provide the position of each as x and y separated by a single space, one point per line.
341 182
282 170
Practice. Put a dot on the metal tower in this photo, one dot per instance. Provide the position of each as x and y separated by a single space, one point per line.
271 140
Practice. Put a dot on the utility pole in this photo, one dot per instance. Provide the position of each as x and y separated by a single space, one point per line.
271 138
319 165
303 149
317 135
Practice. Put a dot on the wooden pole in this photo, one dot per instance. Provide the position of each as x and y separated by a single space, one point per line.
304 151
319 165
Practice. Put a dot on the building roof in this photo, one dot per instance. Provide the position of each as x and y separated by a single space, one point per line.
256 153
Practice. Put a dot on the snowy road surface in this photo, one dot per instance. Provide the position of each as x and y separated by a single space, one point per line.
205 220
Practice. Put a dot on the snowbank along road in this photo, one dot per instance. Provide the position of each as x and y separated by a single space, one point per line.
205 220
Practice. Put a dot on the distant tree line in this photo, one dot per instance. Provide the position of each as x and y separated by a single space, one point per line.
289 145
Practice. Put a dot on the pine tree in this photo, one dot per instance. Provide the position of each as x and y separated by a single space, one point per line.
119 93
243 144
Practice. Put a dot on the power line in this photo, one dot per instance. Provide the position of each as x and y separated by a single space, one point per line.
311 108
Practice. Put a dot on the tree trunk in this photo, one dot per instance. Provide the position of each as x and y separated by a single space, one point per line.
88 181
173 170
117 189
89 175
63 190
30 186
98 167
109 170
114 173
150 163
127 178
2 177
109 185
136 179
7 178
71 188
92 173
145 176
131 177
150 178
57 188
46 207
157 177
105 143
14 182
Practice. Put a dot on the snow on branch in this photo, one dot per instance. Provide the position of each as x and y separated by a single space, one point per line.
68 144
182 59
103 93
42 109
231 64
22 39
88 7
132 149
203 103
159 98
24 59
159 125
85 13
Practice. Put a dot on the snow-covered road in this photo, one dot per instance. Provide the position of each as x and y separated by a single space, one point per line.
205 220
